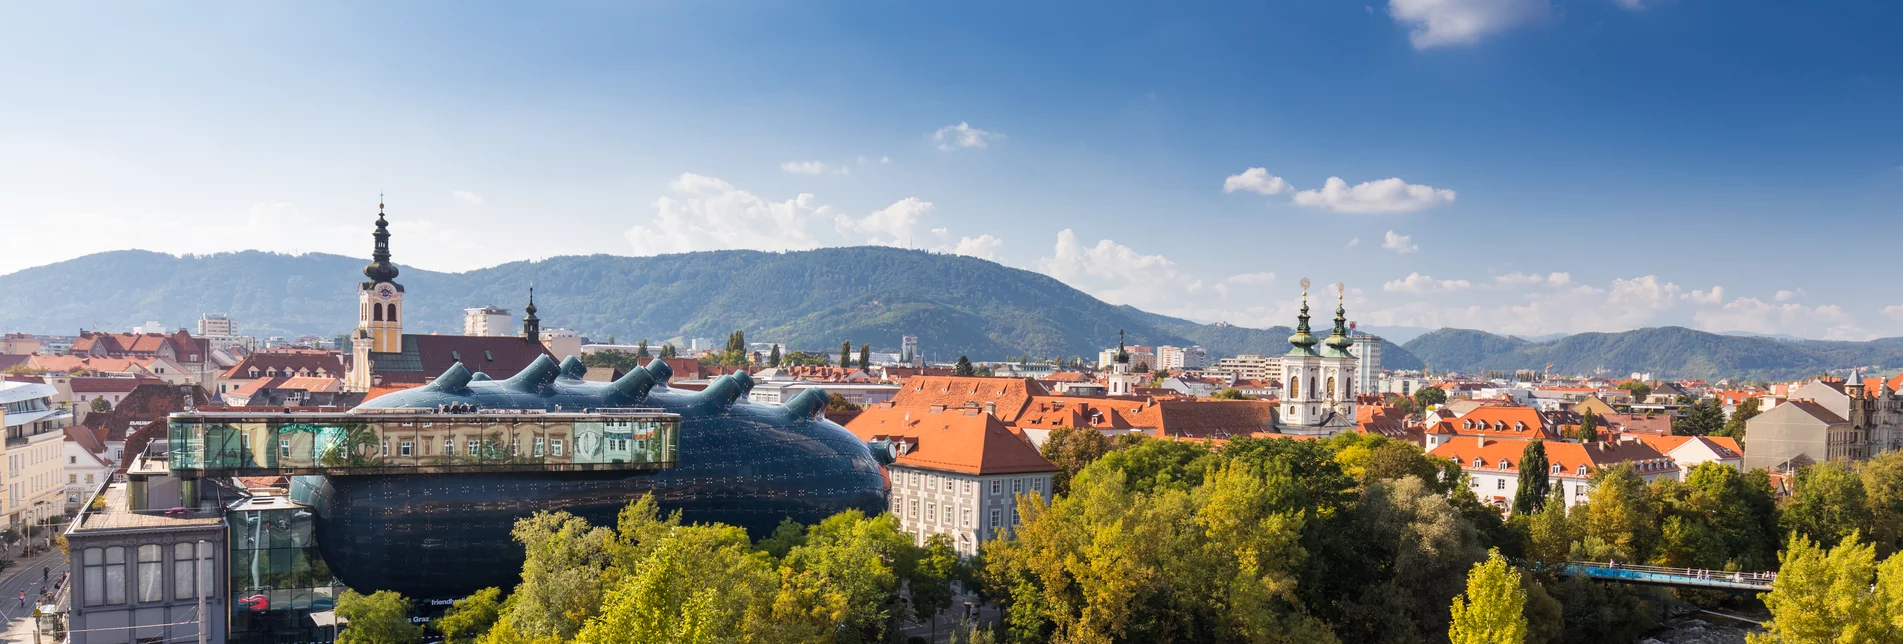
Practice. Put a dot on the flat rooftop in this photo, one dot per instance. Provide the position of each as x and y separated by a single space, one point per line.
117 515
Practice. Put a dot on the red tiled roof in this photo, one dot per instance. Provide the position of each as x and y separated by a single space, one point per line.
288 362
1568 456
1214 418
1012 396
954 440
80 384
498 356
1501 421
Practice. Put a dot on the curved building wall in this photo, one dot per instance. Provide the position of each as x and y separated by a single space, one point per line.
447 535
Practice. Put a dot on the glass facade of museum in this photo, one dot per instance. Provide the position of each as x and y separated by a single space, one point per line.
278 577
229 443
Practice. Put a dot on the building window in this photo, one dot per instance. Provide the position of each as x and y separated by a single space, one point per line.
383 448
182 576
93 575
913 510
1037 485
931 512
515 447
403 448
555 447
948 514
1017 486
449 447
948 484
996 486
1500 484
964 517
538 446
475 447
151 573
994 518
72 479
284 449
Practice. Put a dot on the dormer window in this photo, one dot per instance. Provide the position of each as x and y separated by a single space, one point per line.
1479 463
1500 425
1582 470
1469 424
1503 463
1556 469
1519 427
254 372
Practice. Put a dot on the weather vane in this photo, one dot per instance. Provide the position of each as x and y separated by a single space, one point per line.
1341 290
1305 286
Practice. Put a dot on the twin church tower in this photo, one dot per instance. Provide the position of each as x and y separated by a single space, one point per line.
1318 385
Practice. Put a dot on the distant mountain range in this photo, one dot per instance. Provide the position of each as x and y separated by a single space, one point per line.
813 299
1665 351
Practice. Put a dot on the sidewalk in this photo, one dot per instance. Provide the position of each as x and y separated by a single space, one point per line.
25 575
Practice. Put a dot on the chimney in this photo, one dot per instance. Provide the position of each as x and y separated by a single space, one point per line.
1482 440
991 408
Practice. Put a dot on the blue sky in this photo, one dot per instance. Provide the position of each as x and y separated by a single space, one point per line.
1531 166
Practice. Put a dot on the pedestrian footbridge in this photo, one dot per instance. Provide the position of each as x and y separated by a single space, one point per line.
1674 577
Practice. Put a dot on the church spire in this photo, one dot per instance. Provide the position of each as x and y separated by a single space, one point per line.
1339 340
1123 357
1302 341
531 325
380 268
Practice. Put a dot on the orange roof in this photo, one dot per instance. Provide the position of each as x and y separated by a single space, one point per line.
1502 421
1214 418
953 440
1067 376
1012 396
1724 447
1568 456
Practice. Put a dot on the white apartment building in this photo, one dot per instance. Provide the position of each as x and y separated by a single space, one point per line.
32 463
1493 465
957 472
1250 366
1367 352
1180 358
488 321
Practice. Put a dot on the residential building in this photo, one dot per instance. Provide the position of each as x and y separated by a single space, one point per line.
1493 421
383 356
1251 366
143 561
176 357
1689 451
958 472
908 351
1176 359
1493 465
488 321
211 324
89 462
1367 352
282 363
85 391
1799 432
19 344
32 463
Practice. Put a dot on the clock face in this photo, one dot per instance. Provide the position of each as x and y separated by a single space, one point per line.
384 291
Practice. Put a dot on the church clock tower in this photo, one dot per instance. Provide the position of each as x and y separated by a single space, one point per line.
379 310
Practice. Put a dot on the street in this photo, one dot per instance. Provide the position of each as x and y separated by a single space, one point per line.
25 574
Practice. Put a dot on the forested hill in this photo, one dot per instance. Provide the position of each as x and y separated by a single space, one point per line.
1666 351
809 299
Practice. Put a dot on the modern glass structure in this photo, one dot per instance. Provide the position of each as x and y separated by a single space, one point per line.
437 526
277 575
422 442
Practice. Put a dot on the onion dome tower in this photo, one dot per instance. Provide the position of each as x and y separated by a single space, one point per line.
531 325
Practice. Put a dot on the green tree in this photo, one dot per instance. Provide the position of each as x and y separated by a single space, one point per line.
1071 449
845 354
930 582
1430 396
1231 393
865 355
836 402
101 404
612 358
382 617
561 576
1533 484
1617 522
1883 493
1639 390
641 349
1827 503
1824 595
1734 428
1588 427
1493 610
786 536
1550 532
849 569
963 367
1701 418
668 350
773 357
470 617
699 584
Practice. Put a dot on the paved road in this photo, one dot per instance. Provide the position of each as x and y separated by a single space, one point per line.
24 574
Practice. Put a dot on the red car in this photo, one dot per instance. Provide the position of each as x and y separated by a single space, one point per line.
255 602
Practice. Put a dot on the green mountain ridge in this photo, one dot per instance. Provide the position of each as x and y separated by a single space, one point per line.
814 299
1664 351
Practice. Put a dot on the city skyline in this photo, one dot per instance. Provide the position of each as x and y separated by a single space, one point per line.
1536 168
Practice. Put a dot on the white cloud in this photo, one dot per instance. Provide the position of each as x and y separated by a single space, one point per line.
1753 315
1418 283
963 135
982 247
1354 242
1516 279
1436 23
1711 297
1403 244
894 225
706 213
1786 296
1384 196
467 198
1256 180
814 168
1894 312
1119 274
